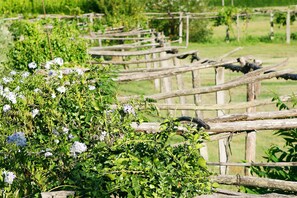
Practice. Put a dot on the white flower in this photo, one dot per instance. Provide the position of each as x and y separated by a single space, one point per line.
32 65
129 109
8 177
37 90
52 73
11 96
70 136
48 64
68 71
7 80
6 108
91 87
79 71
103 135
78 147
65 130
22 97
47 154
61 89
12 73
35 112
59 61
55 131
25 74
53 95
56 141
67 83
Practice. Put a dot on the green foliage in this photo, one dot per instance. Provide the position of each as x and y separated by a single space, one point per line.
226 16
27 7
277 154
281 18
200 31
55 111
253 3
170 27
33 43
128 13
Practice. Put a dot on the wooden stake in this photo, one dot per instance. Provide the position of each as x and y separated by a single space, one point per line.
188 29
288 27
180 28
250 142
271 26
220 97
166 82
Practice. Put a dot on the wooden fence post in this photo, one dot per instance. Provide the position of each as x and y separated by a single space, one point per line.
288 31
155 66
196 82
180 85
220 97
180 40
250 141
271 25
166 81
188 29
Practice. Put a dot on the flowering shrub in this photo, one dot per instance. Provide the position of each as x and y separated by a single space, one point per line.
34 44
62 128
61 132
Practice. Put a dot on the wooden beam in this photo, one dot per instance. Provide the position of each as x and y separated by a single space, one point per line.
167 57
231 84
223 127
203 90
134 53
264 164
170 71
256 182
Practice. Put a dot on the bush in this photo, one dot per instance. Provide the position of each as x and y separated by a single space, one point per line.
33 44
200 32
60 132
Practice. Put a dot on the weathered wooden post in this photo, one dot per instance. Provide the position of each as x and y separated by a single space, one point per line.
180 40
166 85
188 29
253 90
271 25
288 28
220 97
196 82
180 85
155 66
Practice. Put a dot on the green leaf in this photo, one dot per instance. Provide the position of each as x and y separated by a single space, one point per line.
202 162
111 176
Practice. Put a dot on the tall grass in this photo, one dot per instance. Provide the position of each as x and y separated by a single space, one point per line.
253 3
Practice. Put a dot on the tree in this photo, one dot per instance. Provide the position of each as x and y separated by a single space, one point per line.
170 27
127 13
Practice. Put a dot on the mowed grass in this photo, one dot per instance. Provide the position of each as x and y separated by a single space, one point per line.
270 53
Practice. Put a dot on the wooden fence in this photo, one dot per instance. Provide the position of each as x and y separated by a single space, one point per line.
150 57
